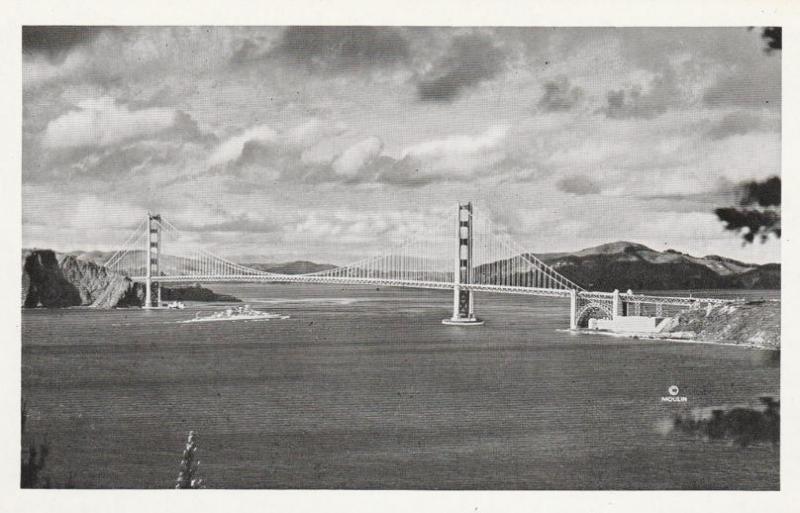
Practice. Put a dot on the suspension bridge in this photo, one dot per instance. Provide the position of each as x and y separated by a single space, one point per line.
466 253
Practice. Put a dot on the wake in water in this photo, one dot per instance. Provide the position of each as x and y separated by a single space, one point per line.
321 300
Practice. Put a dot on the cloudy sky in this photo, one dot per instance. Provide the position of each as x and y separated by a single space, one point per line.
323 143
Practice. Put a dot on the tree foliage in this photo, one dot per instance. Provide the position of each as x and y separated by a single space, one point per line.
758 214
773 38
187 478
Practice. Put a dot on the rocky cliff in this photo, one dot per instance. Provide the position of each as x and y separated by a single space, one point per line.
43 282
755 324
54 281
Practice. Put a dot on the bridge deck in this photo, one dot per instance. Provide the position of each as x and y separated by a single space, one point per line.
501 289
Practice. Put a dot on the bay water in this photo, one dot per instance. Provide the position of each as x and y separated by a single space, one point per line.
365 388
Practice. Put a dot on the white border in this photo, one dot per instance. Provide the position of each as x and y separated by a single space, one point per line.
396 12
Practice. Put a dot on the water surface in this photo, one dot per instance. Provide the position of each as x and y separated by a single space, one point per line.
365 388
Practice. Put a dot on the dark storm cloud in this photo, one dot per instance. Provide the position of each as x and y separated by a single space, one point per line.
735 123
559 96
186 129
337 49
55 42
579 185
471 59
632 104
663 93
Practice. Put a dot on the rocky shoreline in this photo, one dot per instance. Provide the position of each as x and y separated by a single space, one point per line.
195 293
753 324
58 281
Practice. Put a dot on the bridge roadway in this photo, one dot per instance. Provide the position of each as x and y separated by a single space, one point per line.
440 285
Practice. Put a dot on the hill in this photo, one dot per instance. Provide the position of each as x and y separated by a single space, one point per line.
293 267
296 267
627 265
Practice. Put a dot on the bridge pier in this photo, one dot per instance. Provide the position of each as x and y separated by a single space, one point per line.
463 299
617 307
573 309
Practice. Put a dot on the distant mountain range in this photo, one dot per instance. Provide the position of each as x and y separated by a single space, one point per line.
617 265
296 267
628 265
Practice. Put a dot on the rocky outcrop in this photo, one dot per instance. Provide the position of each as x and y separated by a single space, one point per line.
754 324
56 281
99 287
43 282
195 293
120 291
53 282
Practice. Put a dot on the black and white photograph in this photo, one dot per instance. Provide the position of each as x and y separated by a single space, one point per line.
400 257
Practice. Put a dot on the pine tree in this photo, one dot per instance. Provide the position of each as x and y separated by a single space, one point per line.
187 478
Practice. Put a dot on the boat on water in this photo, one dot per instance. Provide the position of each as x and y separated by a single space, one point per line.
176 305
236 313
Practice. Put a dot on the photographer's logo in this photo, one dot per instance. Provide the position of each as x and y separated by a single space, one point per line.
673 396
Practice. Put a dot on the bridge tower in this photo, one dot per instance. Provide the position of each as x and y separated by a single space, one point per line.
153 251
463 299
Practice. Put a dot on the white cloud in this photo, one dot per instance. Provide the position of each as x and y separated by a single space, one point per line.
462 153
302 136
40 70
78 221
357 156
381 230
310 132
299 119
101 122
231 148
